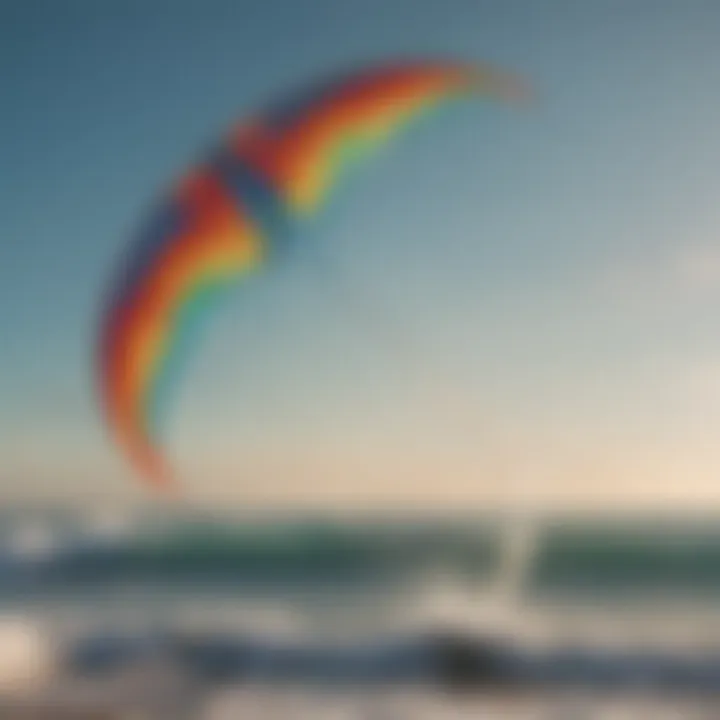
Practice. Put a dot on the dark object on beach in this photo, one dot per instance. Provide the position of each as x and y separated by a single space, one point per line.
464 663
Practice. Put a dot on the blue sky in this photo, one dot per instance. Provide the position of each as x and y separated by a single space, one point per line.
551 276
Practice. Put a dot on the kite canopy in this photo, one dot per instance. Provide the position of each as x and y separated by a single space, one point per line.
233 213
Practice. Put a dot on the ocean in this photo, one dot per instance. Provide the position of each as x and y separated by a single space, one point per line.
71 578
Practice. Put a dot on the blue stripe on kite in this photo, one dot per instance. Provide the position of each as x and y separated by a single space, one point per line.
256 195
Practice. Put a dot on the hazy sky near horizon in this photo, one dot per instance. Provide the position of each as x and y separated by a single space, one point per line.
550 276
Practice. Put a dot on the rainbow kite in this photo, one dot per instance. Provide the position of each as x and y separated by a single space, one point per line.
233 213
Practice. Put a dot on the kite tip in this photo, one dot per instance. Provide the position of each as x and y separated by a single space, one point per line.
163 482
156 472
